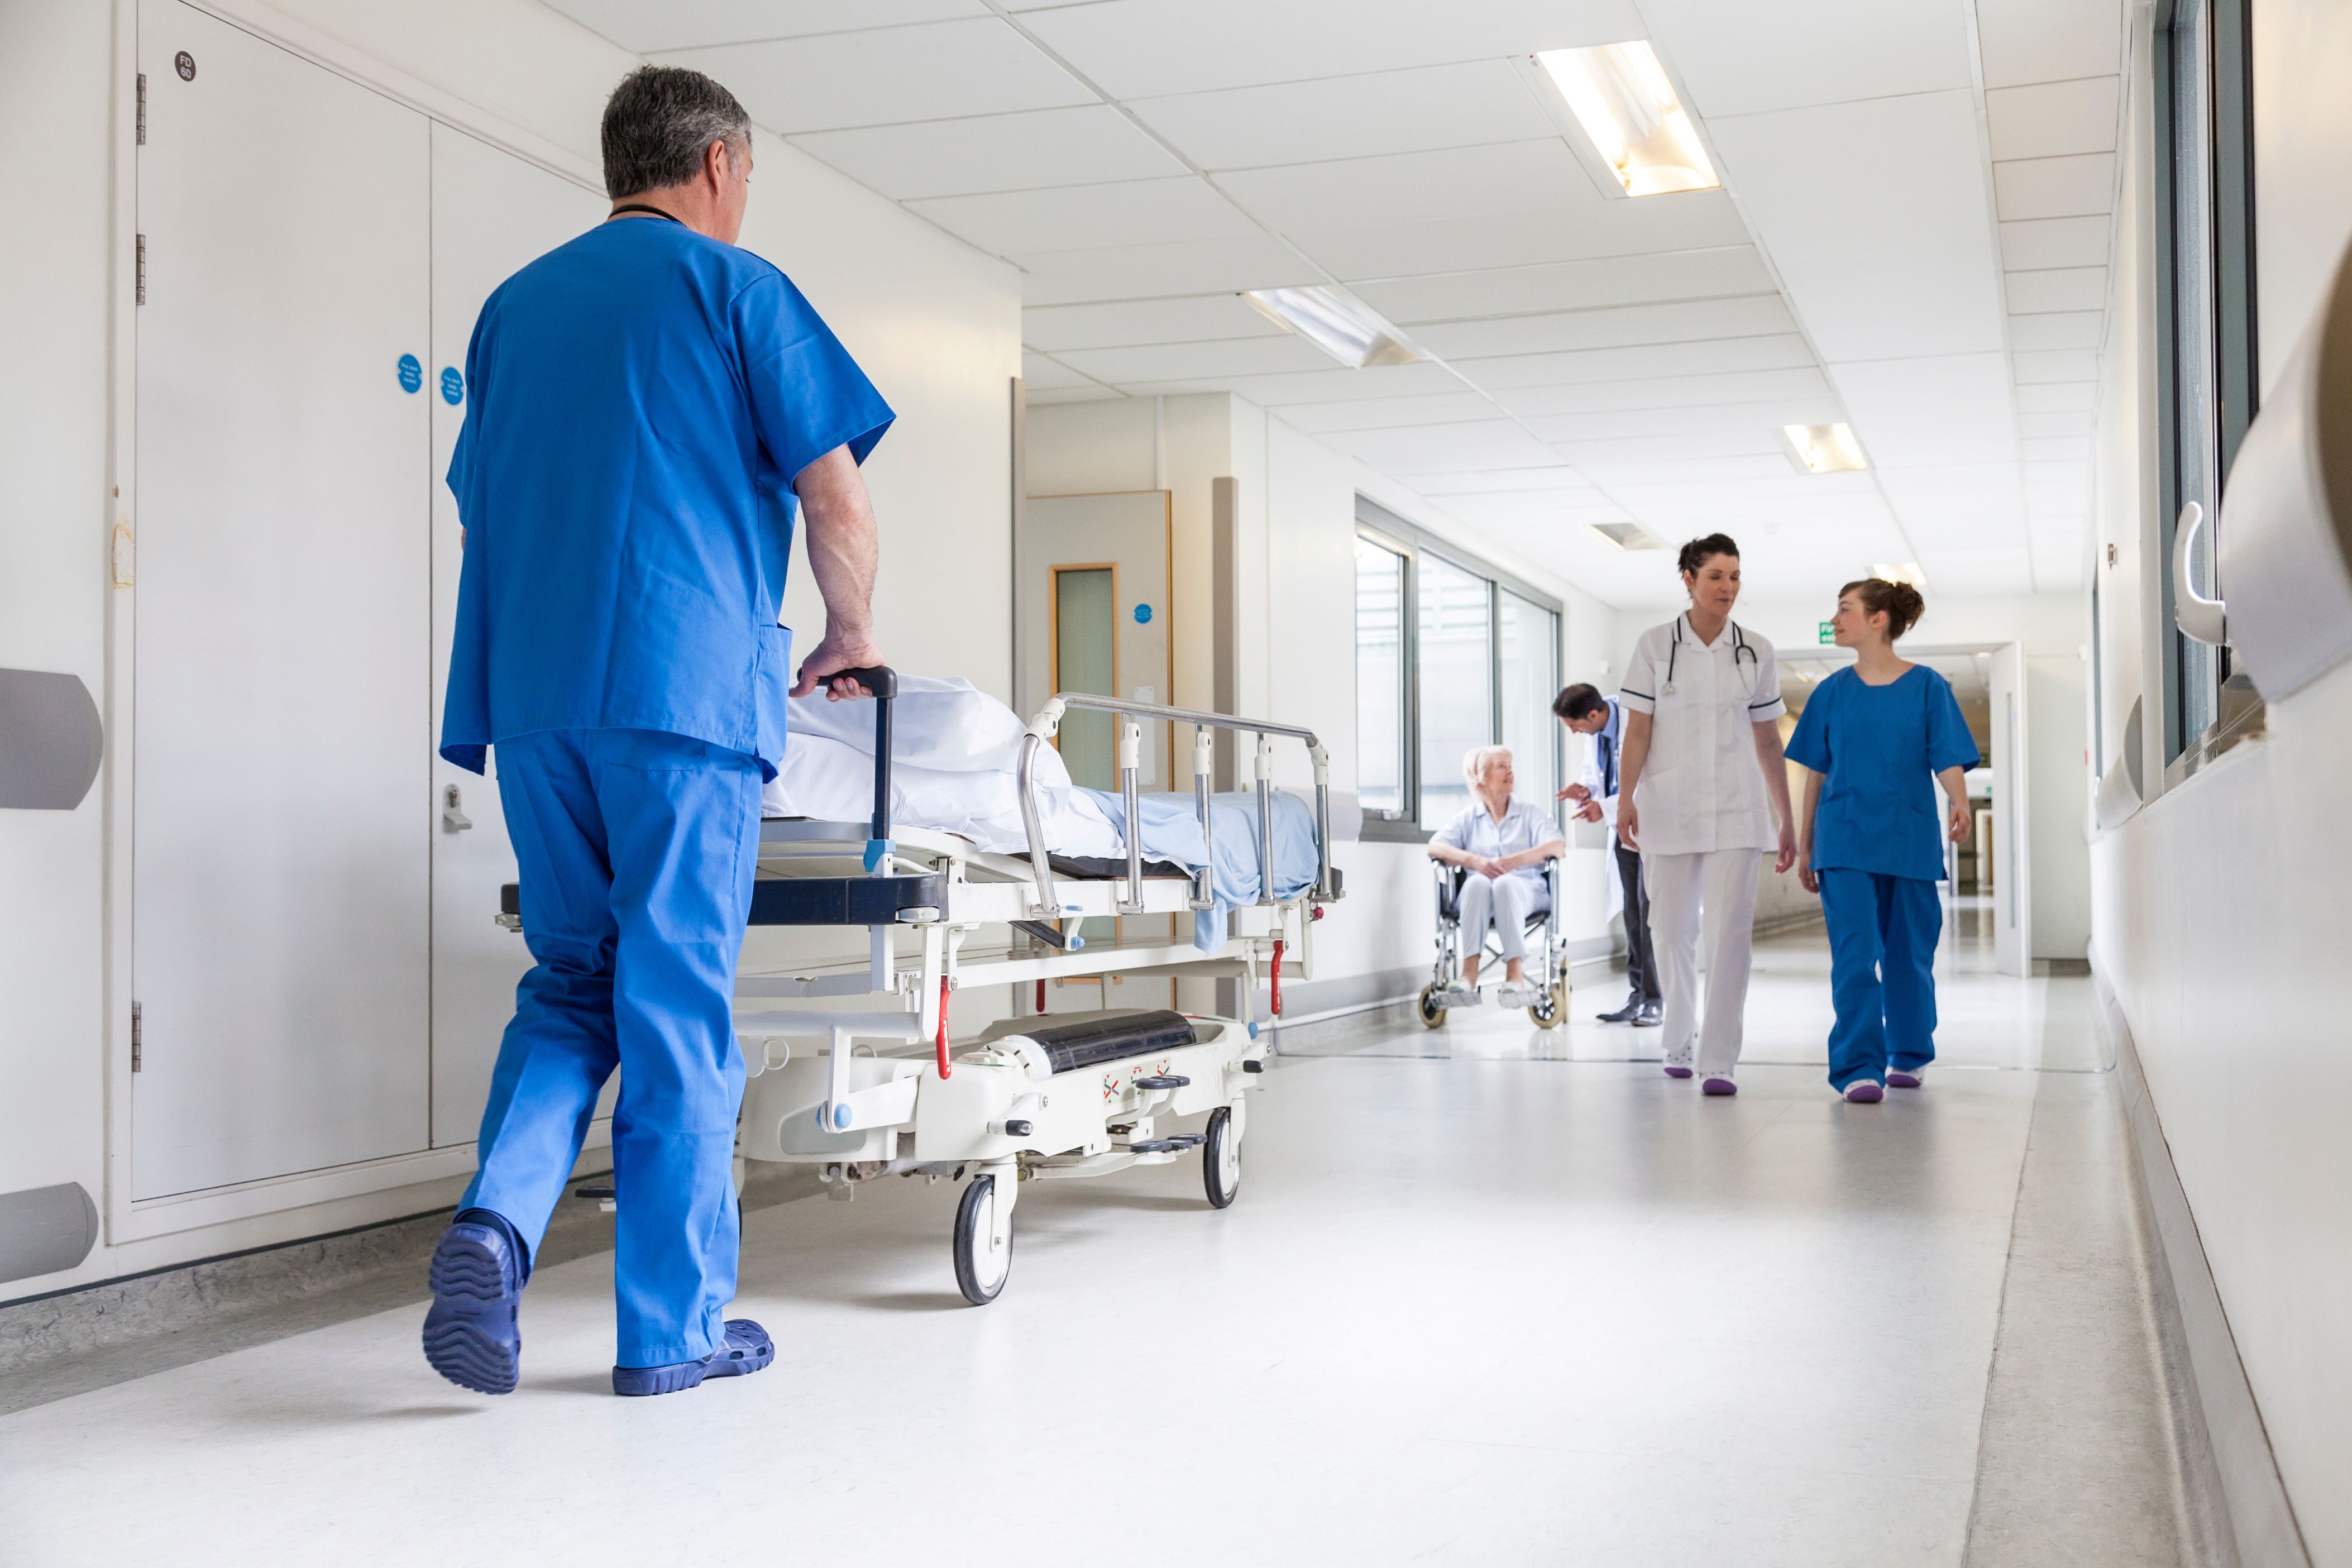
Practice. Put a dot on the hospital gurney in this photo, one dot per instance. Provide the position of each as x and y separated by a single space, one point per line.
1052 1097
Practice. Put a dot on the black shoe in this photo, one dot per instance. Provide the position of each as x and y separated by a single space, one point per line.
1626 1014
1647 1018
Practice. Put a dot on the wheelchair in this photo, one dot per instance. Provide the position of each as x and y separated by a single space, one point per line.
1544 993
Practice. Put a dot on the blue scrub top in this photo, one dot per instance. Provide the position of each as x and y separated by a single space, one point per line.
639 402
1881 747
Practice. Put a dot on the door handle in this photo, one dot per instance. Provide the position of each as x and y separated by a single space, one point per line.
453 820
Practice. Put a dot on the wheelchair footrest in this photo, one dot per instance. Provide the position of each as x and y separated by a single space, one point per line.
1457 996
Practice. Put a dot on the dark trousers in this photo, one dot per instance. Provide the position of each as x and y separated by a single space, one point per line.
1640 964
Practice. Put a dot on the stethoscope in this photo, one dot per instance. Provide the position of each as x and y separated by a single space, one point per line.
1739 647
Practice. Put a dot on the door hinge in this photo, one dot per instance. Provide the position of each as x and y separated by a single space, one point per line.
142 108
138 1044
139 287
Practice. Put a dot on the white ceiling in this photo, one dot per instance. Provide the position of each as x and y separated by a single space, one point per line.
1914 236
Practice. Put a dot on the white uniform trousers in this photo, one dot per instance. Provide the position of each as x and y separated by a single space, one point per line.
1508 901
1702 899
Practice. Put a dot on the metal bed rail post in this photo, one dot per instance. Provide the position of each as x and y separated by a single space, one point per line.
1048 906
1205 881
1265 818
1130 761
1322 760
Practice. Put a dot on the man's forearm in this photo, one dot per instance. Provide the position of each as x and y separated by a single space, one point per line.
844 545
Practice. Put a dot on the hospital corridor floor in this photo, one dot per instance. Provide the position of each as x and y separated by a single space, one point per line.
1488 1295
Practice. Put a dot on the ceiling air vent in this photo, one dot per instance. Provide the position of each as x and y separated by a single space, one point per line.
1627 535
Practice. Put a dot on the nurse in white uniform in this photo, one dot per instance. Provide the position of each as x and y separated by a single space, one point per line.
1704 795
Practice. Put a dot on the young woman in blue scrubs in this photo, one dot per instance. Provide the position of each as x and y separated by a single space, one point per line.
1871 837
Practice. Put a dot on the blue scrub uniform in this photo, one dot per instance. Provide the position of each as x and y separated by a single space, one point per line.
638 404
1878 852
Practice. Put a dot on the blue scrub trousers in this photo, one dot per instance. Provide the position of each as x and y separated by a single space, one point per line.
1883 934
636 850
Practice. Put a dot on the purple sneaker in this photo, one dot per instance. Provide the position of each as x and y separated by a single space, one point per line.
1865 1092
1674 1071
1719 1083
1906 1078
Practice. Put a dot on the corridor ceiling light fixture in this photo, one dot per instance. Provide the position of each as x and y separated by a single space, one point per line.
1620 95
1627 535
1825 448
1909 571
1340 327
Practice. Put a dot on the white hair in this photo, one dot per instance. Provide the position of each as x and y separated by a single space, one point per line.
1474 761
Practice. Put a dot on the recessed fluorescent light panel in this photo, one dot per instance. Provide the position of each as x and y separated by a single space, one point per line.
1340 327
1825 448
1627 535
1909 571
1621 96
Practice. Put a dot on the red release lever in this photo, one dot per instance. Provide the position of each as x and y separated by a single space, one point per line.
944 1069
1277 977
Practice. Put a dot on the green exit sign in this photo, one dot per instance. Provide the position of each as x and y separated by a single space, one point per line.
1828 636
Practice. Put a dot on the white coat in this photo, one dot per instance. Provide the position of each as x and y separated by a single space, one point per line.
1701 789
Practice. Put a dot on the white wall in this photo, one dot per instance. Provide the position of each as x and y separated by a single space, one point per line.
2219 909
936 323
1296 611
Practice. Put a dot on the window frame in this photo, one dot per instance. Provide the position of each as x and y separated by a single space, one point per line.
1383 528
2230 357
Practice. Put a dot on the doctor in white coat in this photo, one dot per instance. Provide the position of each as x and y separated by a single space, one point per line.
1704 795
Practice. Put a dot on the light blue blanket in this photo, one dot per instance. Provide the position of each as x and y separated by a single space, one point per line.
1172 832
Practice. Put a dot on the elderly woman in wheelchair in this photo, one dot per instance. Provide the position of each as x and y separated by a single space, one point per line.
1496 869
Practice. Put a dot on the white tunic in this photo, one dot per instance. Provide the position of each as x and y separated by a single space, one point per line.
1700 788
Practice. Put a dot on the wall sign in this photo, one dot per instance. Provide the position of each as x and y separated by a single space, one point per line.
411 375
1142 615
1829 633
453 387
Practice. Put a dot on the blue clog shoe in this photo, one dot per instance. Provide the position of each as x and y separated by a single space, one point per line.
747 1350
472 1336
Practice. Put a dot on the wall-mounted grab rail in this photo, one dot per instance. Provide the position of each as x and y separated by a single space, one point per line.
1041 729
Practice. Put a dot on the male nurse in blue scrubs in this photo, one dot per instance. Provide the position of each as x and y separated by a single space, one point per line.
646 404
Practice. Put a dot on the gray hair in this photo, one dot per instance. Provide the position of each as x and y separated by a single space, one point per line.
1474 761
660 122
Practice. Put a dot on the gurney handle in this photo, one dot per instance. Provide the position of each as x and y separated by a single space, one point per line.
883 681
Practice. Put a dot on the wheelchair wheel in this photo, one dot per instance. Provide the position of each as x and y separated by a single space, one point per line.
1547 1013
1431 1015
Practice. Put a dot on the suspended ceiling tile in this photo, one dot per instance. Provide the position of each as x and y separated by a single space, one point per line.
1665 391
1690 220
2053 120
1711 273
1972 572
1377 413
1547 477
1565 510
1086 217
1451 448
2059 329
2069 289
2043 244
1188 320
1180 361
1465 105
646 29
2055 364
1894 256
2032 426
1087 393
937 71
1040 374
1610 473
2063 397
1331 386
1149 271
2055 187
1950 408
1407 187
1754 315
1752 440
1725 424
2056 449
2025 41
1784 351
1145 48
1087 144
1964 505
1738 58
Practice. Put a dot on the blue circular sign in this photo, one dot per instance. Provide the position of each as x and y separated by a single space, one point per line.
453 387
1142 615
411 375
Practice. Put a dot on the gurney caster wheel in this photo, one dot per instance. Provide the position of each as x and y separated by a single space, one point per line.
1431 1015
1220 1160
980 1265
1547 1013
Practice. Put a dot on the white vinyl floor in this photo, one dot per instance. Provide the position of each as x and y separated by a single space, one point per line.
1475 1304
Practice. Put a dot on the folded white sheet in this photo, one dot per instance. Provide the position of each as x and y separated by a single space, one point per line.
954 761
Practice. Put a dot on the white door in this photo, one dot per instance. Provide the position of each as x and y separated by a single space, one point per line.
282 683
492 215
